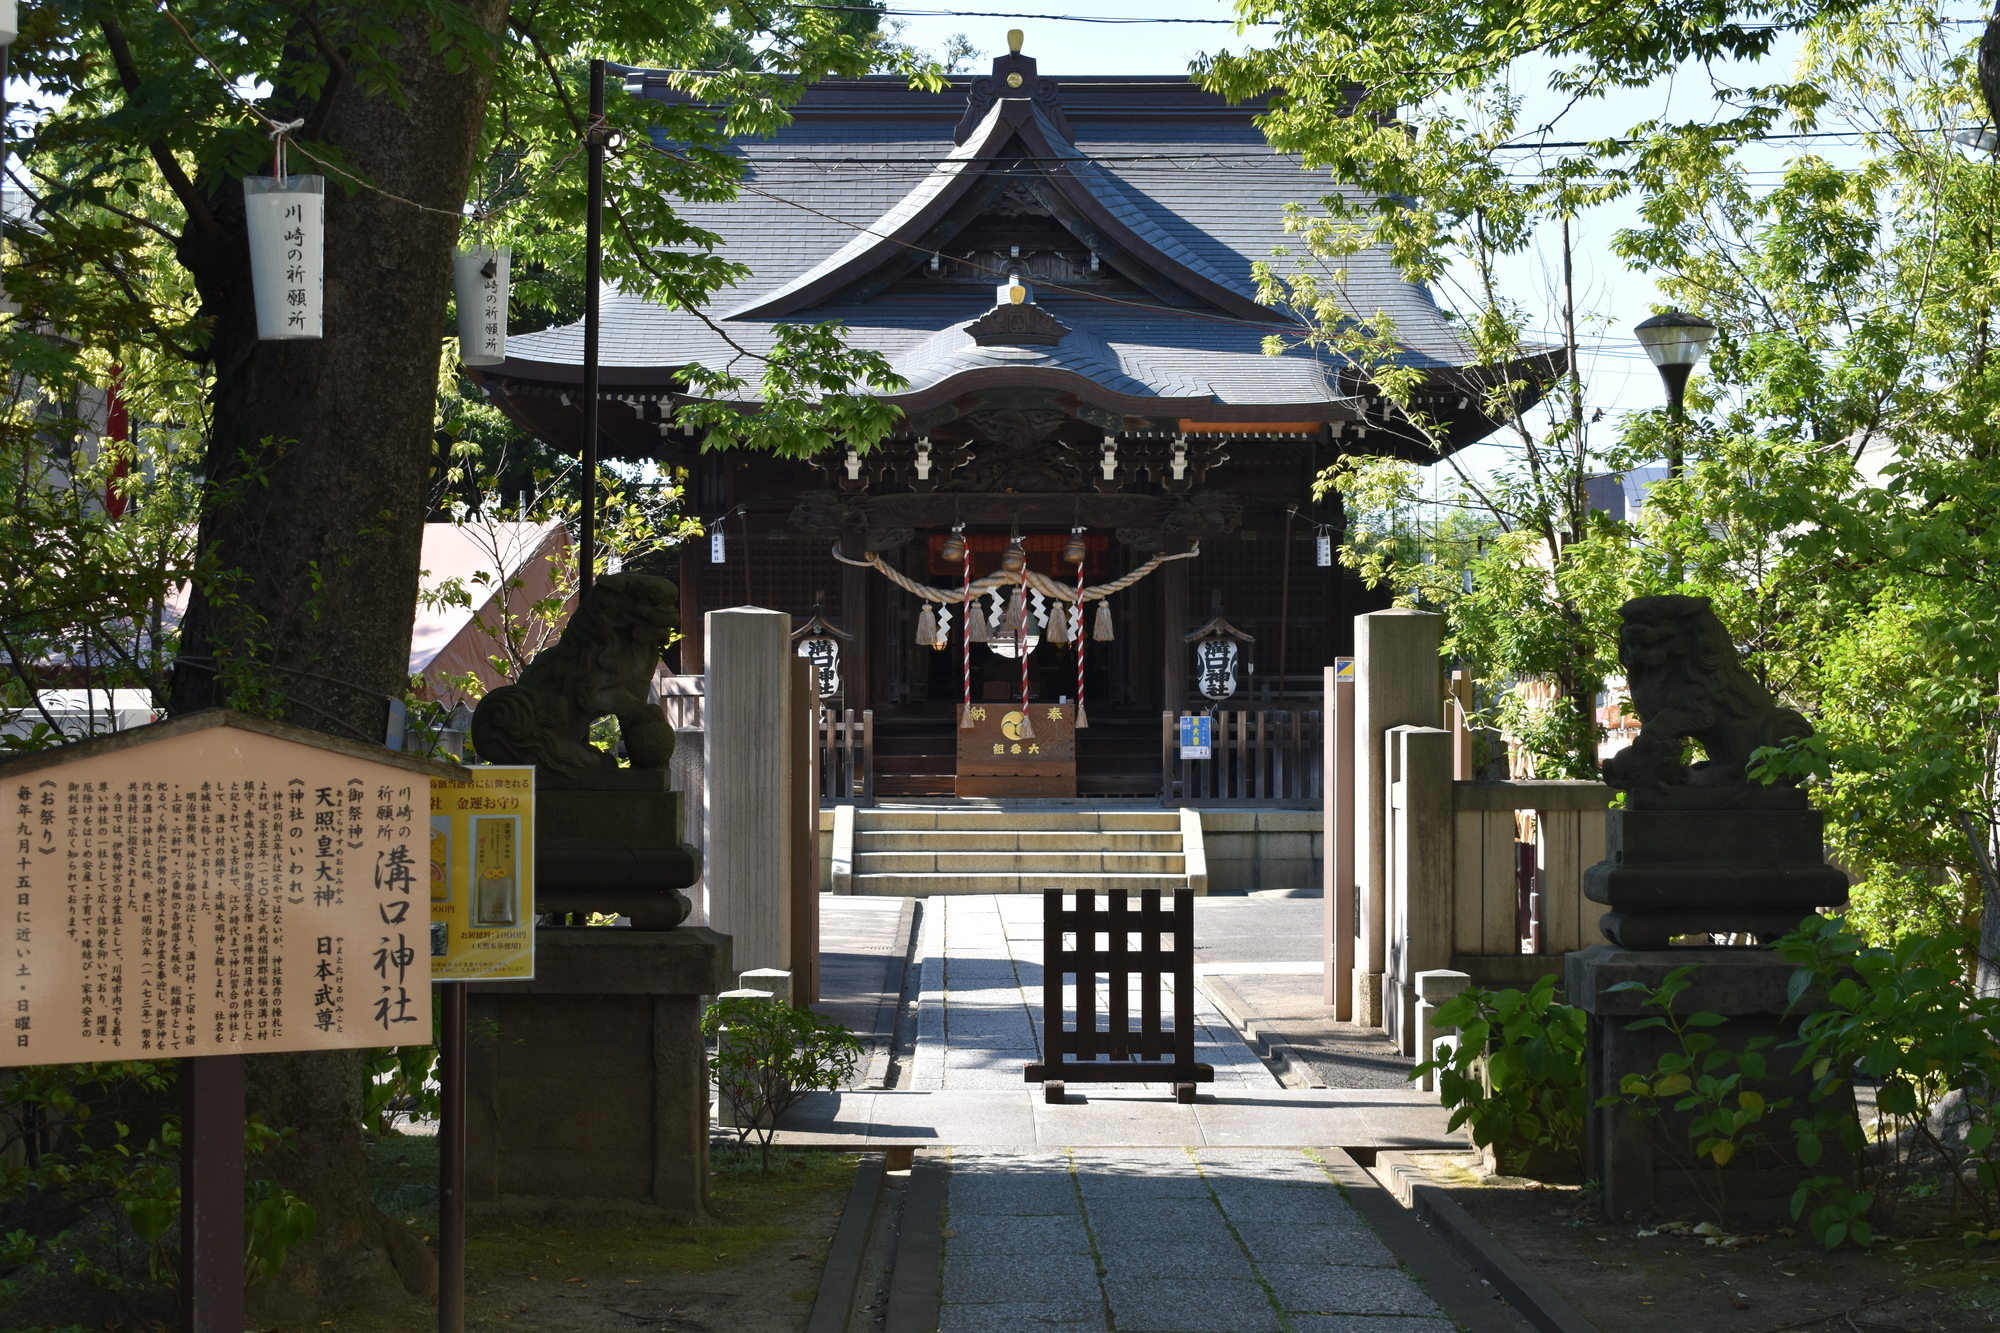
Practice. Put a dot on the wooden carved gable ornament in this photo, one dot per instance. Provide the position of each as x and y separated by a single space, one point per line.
1024 325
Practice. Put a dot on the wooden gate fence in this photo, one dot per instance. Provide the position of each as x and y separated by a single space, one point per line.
847 756
1117 1052
1260 757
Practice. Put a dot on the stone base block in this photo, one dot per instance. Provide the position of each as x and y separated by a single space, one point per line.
1647 1166
1368 999
588 1086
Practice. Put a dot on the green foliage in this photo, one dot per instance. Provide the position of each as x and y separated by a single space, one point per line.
770 1055
1515 1073
83 1192
1709 1087
1905 1016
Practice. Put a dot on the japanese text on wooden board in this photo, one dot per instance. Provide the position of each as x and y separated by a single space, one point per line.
161 911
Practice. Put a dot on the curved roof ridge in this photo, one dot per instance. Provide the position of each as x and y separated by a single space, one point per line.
1109 191
941 178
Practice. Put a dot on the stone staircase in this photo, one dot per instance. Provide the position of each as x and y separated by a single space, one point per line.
912 850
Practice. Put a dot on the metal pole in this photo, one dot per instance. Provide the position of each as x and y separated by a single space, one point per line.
451 1160
593 263
212 1194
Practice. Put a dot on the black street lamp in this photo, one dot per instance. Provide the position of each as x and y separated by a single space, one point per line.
1676 341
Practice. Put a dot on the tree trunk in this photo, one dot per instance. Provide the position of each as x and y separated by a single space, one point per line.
311 617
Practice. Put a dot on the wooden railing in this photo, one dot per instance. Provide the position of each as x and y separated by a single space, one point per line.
847 756
684 699
1262 757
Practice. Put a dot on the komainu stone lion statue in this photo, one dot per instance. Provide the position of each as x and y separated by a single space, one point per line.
1687 682
602 666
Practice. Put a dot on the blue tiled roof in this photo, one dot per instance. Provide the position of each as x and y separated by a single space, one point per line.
1206 193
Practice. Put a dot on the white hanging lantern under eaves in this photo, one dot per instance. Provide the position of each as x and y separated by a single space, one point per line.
479 279
286 216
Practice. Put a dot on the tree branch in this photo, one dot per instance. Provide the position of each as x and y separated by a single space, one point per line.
163 156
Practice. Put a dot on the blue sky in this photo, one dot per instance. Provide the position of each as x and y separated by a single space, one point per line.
1618 376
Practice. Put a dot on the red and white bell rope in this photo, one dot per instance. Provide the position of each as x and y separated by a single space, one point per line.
1082 719
1021 647
965 628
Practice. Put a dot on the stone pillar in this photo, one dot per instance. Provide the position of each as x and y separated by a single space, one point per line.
1434 987
1396 684
747 782
748 988
771 981
1419 857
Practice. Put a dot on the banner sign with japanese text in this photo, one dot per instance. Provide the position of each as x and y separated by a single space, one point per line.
214 885
482 875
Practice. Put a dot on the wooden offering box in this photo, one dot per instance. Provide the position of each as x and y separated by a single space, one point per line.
996 759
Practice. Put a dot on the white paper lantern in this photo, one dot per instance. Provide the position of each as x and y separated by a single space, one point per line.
479 277
286 216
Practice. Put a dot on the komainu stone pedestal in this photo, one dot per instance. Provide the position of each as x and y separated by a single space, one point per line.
1755 872
612 840
1644 1165
588 1086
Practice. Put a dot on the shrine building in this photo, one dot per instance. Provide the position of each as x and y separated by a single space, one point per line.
1062 272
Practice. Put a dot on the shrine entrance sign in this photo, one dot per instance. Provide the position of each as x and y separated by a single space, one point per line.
999 756
217 884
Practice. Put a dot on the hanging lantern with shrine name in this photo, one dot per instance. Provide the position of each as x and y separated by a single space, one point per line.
1217 651
819 643
479 280
286 219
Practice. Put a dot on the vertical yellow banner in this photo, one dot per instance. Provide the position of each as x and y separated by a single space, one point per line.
482 872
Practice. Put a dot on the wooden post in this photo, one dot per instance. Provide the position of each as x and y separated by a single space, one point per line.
1460 723
211 1088
805 834
451 1159
1173 632
1337 903
857 685
692 555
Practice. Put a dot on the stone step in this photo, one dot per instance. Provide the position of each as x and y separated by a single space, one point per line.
916 885
1022 863
1019 821
960 840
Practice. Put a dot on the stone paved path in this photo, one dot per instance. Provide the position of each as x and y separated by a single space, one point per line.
1166 1241
979 1015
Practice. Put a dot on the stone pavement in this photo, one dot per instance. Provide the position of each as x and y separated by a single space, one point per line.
1166 1240
1119 1208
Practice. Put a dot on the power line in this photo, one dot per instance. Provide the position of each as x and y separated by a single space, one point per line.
1046 18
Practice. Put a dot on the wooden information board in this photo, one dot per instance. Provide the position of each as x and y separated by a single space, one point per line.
215 885
996 759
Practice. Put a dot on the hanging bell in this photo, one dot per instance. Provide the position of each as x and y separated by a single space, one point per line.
1073 551
953 550
927 632
1014 559
1101 630
977 629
